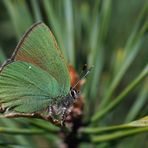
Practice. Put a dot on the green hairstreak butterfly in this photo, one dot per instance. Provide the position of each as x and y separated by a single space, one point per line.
36 76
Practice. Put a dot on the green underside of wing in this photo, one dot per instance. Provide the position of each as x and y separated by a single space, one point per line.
26 87
39 47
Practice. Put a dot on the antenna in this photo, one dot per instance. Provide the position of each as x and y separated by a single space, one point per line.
84 73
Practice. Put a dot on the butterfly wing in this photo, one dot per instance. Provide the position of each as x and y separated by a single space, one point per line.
39 47
26 88
38 73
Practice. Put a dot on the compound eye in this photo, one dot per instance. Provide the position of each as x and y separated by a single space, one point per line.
73 93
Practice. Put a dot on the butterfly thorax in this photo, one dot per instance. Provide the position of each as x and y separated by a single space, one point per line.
62 107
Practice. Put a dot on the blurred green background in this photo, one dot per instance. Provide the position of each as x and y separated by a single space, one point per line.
112 35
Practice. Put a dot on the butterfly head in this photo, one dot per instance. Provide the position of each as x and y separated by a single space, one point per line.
74 94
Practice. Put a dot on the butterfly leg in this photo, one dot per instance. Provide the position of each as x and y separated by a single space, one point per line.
64 115
51 112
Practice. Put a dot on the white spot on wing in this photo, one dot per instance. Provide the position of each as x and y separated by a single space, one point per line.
29 67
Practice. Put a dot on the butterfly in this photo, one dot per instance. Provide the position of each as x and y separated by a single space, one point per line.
36 77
